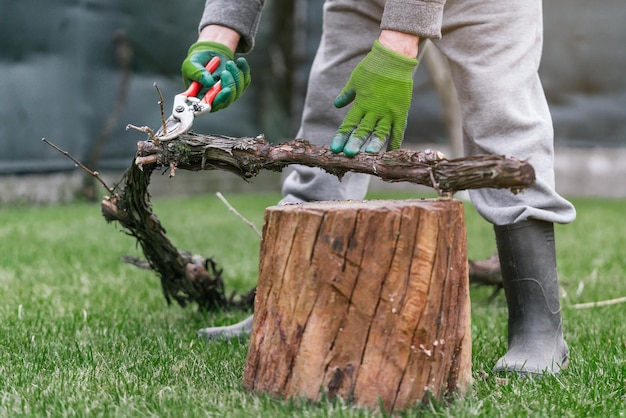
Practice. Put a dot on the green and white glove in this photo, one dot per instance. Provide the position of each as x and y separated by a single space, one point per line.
235 75
381 87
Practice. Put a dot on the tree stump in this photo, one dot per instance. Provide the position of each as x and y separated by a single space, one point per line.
365 300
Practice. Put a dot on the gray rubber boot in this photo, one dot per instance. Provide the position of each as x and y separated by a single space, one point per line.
240 329
528 263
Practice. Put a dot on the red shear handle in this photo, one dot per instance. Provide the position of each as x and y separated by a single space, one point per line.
195 87
210 95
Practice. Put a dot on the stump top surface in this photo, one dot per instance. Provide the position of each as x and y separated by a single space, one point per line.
376 204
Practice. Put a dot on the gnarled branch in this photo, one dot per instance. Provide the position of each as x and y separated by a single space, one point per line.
246 157
188 278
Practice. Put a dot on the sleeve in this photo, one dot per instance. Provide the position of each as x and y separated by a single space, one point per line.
241 16
419 17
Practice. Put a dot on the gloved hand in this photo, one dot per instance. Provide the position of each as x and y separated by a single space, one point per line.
381 87
235 75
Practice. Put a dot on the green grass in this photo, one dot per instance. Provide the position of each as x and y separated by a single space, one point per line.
82 334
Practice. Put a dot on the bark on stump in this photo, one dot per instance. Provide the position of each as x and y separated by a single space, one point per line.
367 300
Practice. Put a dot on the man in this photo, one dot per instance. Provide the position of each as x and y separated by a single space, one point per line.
358 98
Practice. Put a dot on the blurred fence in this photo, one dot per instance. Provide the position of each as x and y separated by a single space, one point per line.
77 72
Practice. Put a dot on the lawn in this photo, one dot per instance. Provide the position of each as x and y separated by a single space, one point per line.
82 334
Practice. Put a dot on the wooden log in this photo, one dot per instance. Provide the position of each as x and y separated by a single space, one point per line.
247 156
364 300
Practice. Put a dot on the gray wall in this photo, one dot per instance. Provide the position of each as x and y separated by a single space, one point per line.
584 71
61 77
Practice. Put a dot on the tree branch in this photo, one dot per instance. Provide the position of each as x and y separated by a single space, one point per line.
190 278
246 157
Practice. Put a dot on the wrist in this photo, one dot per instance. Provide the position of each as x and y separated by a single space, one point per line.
403 43
220 34
393 64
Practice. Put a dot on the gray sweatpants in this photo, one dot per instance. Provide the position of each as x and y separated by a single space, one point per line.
494 49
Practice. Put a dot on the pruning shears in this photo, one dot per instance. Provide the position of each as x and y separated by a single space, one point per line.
187 106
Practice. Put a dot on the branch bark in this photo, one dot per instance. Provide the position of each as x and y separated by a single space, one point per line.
185 277
188 278
246 157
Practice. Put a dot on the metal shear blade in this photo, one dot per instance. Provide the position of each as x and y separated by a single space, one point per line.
187 106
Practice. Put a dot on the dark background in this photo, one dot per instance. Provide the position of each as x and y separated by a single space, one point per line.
77 72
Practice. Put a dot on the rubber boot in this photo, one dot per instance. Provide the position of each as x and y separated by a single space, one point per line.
240 329
528 263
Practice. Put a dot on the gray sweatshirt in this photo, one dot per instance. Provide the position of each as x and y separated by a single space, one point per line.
418 17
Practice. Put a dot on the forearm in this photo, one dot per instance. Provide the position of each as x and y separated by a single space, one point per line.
400 42
221 34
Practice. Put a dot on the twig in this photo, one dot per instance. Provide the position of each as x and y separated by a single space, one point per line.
161 103
599 304
141 161
434 182
81 165
239 215
137 262
145 129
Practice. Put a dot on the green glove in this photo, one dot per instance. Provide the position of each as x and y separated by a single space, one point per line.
235 75
381 87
